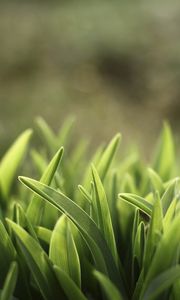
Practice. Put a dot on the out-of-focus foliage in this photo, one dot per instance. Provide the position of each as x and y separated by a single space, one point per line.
96 59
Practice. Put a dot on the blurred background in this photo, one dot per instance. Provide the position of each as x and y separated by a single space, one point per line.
115 65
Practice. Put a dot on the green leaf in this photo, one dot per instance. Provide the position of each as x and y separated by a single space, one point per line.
47 135
171 192
170 214
63 252
154 232
39 161
139 244
162 283
97 245
70 288
11 161
39 212
107 157
137 201
103 214
108 287
156 181
10 282
165 254
85 193
37 261
165 157
22 220
43 234
65 131
7 252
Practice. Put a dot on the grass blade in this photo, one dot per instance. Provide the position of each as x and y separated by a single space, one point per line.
108 287
36 259
137 201
11 161
107 156
39 212
86 225
63 252
162 283
10 282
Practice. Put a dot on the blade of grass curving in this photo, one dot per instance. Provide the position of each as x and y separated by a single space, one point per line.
170 193
162 283
64 133
40 269
38 211
108 287
170 214
85 193
103 214
107 156
165 254
43 234
39 161
22 220
137 201
86 225
71 290
47 135
154 232
11 161
10 282
139 244
7 252
156 181
165 156
63 252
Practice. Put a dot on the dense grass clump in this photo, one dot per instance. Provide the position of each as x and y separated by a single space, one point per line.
107 228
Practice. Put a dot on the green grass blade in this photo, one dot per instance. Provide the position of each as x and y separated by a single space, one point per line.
86 225
47 135
165 254
36 259
11 161
7 253
170 214
170 193
22 220
39 161
85 193
156 181
71 290
64 133
39 212
108 287
139 244
103 214
10 282
63 252
43 234
137 201
154 232
107 157
162 283
165 156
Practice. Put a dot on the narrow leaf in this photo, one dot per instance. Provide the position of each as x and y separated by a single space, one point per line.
63 252
38 211
11 161
10 282
108 287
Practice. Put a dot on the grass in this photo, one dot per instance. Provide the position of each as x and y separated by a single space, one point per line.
99 228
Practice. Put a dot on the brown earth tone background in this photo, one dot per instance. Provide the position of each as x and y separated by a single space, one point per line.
115 65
